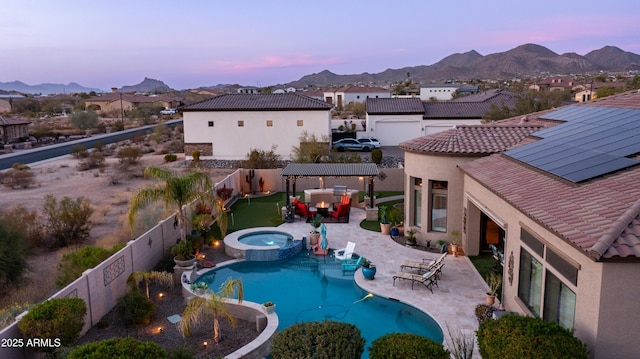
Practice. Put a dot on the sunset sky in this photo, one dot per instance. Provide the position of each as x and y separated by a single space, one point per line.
190 44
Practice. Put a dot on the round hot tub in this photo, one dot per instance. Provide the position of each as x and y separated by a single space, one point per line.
261 244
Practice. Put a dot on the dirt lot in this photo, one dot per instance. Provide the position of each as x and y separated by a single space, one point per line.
61 178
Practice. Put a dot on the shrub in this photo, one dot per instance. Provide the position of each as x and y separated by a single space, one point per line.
129 156
196 155
74 263
13 253
118 348
79 151
25 222
94 160
56 319
8 314
326 339
257 158
170 158
376 156
483 312
68 220
510 336
406 345
84 120
22 177
135 308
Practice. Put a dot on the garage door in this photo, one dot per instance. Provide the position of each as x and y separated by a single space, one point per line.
393 132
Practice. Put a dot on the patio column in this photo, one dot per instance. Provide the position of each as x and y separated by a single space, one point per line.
294 187
373 204
286 181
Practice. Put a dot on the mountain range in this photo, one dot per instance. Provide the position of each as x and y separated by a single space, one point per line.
524 60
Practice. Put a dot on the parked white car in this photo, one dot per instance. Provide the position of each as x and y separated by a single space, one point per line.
369 144
169 111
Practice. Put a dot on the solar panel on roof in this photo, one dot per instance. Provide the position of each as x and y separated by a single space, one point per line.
592 142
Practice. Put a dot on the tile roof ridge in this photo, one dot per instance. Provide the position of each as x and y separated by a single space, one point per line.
602 244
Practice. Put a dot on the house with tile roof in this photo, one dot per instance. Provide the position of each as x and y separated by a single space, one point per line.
557 194
115 102
12 129
395 120
352 93
229 126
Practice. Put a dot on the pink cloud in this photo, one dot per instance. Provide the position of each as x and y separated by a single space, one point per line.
273 62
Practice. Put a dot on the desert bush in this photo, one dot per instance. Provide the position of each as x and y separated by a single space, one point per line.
67 221
58 319
170 158
135 308
511 336
257 158
22 178
98 146
94 160
175 146
376 156
84 120
118 348
13 254
26 222
8 314
196 155
79 151
483 312
326 339
129 156
74 263
406 345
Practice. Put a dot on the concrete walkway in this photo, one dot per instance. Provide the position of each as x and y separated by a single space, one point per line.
452 303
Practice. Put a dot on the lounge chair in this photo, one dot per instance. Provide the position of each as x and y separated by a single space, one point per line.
345 253
423 266
351 264
427 279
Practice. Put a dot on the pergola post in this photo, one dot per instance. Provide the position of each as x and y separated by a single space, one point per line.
286 181
371 192
294 187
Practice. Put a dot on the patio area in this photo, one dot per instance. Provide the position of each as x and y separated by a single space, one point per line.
460 287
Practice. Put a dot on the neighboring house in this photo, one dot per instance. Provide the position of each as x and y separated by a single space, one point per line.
561 83
351 93
557 193
396 120
229 126
393 120
439 92
11 130
116 102
249 90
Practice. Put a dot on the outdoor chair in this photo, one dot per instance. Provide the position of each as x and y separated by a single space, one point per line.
345 253
351 264
427 279
423 266
342 212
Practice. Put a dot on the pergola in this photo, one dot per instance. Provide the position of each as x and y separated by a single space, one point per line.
295 170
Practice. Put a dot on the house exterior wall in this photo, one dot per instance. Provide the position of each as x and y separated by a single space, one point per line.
11 133
231 142
441 93
361 96
439 168
597 322
390 130
434 126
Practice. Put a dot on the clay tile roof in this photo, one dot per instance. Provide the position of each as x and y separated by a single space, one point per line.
471 139
8 121
471 106
259 102
380 106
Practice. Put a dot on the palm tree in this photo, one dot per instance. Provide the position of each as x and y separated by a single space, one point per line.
177 191
162 278
198 307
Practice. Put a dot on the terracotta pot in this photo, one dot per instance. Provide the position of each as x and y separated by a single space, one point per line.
491 299
385 228
314 238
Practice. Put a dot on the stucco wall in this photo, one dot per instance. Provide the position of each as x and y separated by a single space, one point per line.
231 142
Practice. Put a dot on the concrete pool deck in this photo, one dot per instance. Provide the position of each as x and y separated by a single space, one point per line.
460 287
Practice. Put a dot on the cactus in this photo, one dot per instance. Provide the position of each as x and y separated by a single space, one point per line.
249 179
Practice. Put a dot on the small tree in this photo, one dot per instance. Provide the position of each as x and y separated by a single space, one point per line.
311 149
257 158
13 252
118 348
59 319
84 120
326 339
376 156
511 336
162 278
68 220
406 345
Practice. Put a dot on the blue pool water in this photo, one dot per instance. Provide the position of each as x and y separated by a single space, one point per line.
308 289
266 238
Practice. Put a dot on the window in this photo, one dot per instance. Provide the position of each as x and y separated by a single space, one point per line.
417 202
210 123
300 123
530 282
439 206
240 123
269 123
559 302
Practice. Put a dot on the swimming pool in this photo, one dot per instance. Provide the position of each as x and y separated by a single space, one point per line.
305 288
266 238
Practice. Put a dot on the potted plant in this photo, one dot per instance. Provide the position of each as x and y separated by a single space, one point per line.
368 269
183 253
455 242
199 287
411 237
494 281
385 225
269 307
314 235
396 218
443 246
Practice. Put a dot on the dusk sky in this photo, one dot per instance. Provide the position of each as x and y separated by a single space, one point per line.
190 44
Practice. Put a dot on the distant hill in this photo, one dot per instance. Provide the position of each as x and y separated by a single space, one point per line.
45 89
524 60
147 85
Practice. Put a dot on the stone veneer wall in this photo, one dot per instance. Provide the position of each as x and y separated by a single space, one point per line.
206 149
